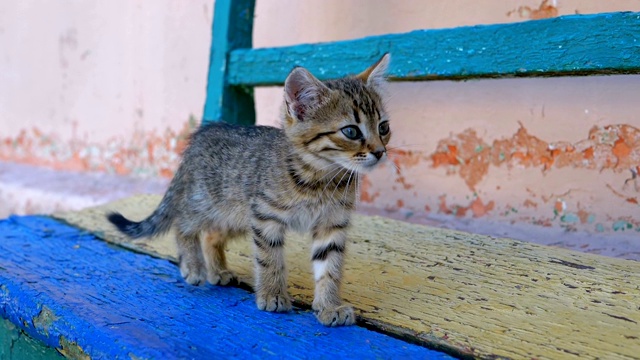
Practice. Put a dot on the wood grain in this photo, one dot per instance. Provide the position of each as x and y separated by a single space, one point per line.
567 45
473 295
91 300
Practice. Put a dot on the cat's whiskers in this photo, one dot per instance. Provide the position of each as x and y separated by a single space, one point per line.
358 184
335 172
339 182
346 189
403 146
398 171
327 172
325 167
331 180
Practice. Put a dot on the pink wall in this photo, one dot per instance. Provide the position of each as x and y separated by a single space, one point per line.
112 86
549 152
105 85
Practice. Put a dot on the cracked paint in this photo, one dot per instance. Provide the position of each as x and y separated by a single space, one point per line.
476 207
546 9
45 319
615 147
71 350
605 153
466 156
144 153
366 195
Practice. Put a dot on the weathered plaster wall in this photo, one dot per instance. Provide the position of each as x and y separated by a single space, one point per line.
115 86
555 152
559 152
101 84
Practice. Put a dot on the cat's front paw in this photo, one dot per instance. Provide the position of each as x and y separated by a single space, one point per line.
192 273
336 316
224 277
274 303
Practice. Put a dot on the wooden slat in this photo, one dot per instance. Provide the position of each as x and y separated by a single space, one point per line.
91 300
232 29
570 45
471 294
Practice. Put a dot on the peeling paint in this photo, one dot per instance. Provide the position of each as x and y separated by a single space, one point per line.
603 150
622 225
72 350
45 319
144 153
476 207
544 11
584 216
465 155
614 147
569 218
559 207
629 199
365 191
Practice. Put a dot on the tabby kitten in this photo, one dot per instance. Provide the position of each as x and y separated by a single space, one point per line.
265 181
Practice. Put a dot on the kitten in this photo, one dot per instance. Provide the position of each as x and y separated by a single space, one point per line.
265 181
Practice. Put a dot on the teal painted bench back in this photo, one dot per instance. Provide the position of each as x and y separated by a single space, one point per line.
576 45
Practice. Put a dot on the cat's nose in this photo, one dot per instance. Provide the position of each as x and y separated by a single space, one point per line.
378 153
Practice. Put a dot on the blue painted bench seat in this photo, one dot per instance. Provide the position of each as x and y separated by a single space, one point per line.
74 292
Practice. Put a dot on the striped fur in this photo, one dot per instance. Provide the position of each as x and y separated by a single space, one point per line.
263 181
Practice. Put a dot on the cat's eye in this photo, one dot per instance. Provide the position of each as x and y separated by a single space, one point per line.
383 128
352 132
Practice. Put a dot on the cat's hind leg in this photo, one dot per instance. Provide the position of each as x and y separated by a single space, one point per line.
192 264
213 244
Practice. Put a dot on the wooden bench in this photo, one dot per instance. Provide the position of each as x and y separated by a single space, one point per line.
578 45
416 288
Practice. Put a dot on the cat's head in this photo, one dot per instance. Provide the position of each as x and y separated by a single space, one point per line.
341 121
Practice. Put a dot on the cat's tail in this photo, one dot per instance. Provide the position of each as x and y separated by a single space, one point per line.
159 222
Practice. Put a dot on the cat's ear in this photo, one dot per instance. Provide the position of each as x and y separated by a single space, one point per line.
375 75
304 93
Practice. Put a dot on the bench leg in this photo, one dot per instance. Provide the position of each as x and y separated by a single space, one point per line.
232 29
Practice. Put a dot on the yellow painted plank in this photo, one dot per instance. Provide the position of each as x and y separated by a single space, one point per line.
473 294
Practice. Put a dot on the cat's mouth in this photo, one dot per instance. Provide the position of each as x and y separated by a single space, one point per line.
373 164
367 165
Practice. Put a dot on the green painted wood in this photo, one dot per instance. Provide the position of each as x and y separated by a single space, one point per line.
16 345
570 45
232 29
